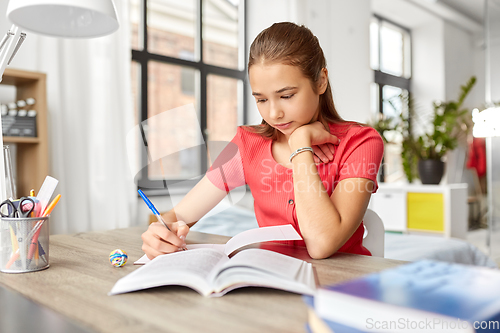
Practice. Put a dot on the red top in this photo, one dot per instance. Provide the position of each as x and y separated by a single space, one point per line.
248 160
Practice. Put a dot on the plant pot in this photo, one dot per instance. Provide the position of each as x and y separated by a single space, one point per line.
430 171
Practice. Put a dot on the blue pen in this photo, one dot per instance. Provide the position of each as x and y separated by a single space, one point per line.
153 208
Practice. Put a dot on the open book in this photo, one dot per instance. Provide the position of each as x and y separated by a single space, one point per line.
212 273
252 236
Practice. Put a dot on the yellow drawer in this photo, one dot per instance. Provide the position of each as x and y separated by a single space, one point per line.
426 211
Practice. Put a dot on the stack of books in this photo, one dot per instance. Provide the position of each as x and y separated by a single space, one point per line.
423 296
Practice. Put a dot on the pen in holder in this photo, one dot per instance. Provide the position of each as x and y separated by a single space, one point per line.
24 244
10 185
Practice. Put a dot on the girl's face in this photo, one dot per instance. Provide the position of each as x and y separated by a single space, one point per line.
285 97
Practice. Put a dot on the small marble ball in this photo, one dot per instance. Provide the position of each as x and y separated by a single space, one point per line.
118 258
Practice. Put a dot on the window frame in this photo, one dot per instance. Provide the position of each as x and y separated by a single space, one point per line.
385 79
142 58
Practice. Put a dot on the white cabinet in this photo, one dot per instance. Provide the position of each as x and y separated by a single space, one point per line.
390 205
429 209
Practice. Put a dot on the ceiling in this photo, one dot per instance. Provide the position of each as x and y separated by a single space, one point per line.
466 14
473 9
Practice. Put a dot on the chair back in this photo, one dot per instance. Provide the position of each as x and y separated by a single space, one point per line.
373 238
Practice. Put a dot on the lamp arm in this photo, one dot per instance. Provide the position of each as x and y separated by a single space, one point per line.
6 52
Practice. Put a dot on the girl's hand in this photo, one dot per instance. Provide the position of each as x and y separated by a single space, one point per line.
323 153
158 240
316 136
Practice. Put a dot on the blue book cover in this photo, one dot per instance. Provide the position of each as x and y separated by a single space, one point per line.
423 296
322 325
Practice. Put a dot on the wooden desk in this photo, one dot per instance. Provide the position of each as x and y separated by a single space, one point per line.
80 276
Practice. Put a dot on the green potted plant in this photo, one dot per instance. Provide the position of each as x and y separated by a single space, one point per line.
425 143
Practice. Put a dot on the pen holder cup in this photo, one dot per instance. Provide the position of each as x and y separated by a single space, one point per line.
24 244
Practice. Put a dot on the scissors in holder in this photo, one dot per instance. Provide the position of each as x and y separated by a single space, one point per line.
19 209
23 209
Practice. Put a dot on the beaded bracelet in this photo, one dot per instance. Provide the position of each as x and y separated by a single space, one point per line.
301 150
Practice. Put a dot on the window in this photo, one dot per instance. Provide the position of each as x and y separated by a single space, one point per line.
189 52
390 59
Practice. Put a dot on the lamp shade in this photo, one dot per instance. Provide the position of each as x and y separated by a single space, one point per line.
64 18
486 123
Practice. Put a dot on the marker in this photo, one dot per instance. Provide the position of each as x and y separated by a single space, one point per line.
37 254
50 207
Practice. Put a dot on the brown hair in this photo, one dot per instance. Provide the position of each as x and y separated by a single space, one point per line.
293 45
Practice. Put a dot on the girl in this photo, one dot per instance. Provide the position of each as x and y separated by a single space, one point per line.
304 164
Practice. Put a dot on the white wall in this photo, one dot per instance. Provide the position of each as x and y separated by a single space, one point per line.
459 48
260 15
479 69
493 49
428 72
342 28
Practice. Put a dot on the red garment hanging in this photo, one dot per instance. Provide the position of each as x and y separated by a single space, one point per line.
477 156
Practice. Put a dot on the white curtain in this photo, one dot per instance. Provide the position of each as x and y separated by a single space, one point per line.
90 111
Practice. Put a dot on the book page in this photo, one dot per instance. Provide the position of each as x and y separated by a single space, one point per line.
239 277
142 260
272 262
186 268
264 234
257 267
219 247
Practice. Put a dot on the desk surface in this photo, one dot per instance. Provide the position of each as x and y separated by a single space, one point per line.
80 276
